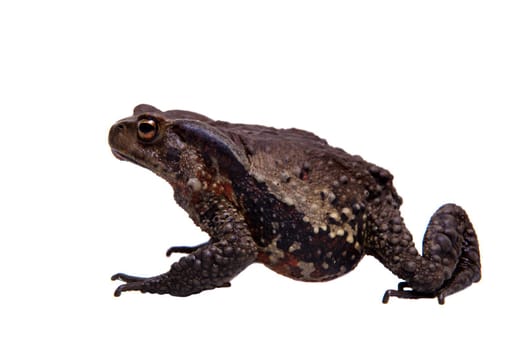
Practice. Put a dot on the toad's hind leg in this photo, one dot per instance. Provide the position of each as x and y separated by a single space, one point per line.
450 247
450 240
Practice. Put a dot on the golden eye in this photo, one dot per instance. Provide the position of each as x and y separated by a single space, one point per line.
147 129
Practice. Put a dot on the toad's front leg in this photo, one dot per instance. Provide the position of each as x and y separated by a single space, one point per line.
210 266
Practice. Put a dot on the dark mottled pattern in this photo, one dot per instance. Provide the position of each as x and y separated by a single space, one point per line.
287 199
263 212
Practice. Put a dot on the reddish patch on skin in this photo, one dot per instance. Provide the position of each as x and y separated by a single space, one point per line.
228 191
263 258
218 186
222 188
287 266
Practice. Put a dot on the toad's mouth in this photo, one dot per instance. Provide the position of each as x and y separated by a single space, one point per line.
119 155
122 156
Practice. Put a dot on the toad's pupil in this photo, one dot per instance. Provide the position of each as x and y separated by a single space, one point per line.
146 127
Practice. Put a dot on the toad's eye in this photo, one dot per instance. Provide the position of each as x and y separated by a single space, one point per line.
147 129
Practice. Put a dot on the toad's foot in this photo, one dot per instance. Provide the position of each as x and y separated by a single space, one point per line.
156 284
403 293
209 266
184 249
126 278
132 283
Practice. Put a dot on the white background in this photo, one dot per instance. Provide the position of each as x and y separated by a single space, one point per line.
432 91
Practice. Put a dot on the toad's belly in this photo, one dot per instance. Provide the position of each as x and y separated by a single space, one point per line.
310 263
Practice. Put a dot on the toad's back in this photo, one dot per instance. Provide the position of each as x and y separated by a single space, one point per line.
304 200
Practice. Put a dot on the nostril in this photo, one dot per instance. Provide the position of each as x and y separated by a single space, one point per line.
116 131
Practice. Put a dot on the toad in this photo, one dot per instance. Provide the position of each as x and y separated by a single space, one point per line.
287 199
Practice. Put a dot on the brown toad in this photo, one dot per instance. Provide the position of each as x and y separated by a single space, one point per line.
287 199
